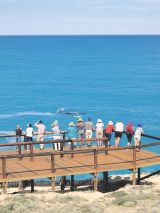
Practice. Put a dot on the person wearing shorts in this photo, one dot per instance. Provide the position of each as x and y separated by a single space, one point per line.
80 130
137 136
108 131
89 130
29 134
119 128
129 132
99 131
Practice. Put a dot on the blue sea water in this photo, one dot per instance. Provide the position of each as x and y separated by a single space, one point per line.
108 77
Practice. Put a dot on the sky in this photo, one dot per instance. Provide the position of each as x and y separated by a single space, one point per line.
79 17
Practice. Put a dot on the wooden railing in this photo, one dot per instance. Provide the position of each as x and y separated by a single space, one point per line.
52 155
72 153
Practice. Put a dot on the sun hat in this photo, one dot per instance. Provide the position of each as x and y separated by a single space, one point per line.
99 121
71 124
110 122
29 125
54 123
80 120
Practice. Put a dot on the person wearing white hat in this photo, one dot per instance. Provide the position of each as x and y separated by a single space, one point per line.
99 131
72 133
137 136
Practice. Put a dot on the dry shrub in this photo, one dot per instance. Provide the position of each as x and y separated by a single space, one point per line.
18 204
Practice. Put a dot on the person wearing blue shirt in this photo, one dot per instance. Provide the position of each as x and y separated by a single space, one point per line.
72 133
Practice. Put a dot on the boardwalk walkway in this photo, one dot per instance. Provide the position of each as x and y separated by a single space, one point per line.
52 164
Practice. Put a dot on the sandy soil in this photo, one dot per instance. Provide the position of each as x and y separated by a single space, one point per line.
121 196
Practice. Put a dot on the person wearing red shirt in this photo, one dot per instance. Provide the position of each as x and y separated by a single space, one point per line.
129 132
109 130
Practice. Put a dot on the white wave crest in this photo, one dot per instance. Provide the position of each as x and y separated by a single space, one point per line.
30 113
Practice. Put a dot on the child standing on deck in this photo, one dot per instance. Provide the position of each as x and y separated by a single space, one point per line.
137 136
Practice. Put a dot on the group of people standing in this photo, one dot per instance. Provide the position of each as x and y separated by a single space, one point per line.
86 129
83 130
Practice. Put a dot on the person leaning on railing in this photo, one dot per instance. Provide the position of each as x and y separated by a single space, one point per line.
119 128
29 134
71 133
18 134
41 131
137 136
89 128
108 131
129 132
56 134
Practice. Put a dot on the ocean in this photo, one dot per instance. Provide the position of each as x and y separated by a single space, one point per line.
108 77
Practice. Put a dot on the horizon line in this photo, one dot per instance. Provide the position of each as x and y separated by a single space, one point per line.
79 35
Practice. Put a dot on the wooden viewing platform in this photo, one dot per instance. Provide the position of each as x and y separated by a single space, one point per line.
48 163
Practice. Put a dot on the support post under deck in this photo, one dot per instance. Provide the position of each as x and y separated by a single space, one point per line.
139 176
63 182
72 183
53 184
105 180
32 185
95 182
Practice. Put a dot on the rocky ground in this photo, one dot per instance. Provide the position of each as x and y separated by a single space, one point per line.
121 196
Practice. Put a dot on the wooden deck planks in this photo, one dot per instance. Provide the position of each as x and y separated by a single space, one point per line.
80 164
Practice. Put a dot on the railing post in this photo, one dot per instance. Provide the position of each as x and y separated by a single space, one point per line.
72 148
62 143
106 146
95 159
134 166
4 174
19 149
53 171
31 151
25 145
52 163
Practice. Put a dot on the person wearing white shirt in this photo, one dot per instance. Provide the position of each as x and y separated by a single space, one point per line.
99 131
137 136
41 131
119 128
29 134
